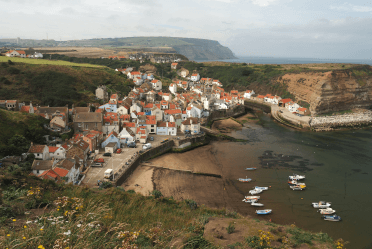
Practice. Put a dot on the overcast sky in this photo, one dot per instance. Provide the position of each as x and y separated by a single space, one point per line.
270 28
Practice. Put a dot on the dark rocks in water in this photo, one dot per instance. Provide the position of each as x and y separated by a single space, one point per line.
356 170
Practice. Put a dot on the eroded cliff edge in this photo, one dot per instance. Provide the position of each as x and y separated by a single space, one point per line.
332 91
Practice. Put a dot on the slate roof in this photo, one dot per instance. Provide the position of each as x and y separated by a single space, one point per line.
36 148
92 117
42 164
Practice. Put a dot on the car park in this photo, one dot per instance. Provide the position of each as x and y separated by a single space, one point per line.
107 154
146 146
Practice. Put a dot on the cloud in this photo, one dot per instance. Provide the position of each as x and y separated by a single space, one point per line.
350 7
263 3
149 3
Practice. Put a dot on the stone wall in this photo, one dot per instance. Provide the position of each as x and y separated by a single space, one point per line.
353 120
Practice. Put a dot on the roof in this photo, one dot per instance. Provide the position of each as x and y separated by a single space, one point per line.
67 163
188 121
285 100
173 111
112 144
302 109
81 109
151 120
94 117
52 149
49 173
195 74
42 164
82 144
135 73
18 51
36 148
61 172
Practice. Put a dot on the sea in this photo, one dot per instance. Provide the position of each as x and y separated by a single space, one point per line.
337 166
292 60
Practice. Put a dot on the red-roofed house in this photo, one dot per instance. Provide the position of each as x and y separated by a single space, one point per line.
195 77
169 113
304 111
151 124
141 134
174 65
166 128
16 53
57 152
40 151
157 85
134 74
173 88
50 175
164 104
284 102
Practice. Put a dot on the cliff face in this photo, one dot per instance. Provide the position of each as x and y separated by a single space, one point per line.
200 49
331 91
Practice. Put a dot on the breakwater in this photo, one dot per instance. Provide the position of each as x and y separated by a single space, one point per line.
329 123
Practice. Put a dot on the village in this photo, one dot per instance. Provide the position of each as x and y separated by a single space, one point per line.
108 136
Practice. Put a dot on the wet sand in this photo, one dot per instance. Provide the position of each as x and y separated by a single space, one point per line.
140 181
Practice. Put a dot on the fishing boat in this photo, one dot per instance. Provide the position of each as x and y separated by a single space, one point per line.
295 183
250 200
244 179
331 217
265 211
252 197
261 188
256 204
296 177
297 187
255 191
327 211
321 204
250 168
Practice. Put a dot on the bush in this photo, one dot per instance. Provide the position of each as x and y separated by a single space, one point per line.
231 228
12 193
156 193
105 185
192 204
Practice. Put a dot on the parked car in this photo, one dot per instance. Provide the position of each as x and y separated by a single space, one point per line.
165 140
99 160
146 146
107 154
118 151
151 138
97 165
132 145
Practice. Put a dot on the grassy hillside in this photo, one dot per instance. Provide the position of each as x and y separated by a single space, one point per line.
57 85
18 130
44 62
42 214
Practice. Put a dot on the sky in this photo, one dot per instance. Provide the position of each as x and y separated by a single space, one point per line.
327 29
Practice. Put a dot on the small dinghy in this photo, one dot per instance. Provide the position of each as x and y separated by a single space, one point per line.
265 211
260 188
297 187
331 217
327 211
252 197
257 204
250 168
255 191
296 177
250 200
321 204
244 179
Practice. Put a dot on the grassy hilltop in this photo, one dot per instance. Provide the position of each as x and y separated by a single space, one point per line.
56 85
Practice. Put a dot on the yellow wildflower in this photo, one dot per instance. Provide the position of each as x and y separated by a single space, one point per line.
41 229
25 226
41 247
8 235
14 220
24 237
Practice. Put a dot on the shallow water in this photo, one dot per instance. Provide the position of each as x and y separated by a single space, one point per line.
337 167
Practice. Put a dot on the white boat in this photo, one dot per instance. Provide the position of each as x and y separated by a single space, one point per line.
265 211
295 183
250 200
321 204
255 191
298 187
252 197
251 168
257 204
244 179
297 177
327 211
331 217
261 188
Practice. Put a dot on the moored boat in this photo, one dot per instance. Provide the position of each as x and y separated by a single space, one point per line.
252 197
255 191
297 187
244 179
331 217
296 177
261 188
321 204
250 200
251 168
257 204
294 182
265 211
327 211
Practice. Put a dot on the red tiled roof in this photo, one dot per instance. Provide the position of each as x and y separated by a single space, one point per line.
195 74
52 149
143 136
61 172
285 100
129 124
25 108
135 73
302 109
36 149
260 96
174 111
171 124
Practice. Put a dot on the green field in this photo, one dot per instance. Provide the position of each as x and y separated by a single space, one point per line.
45 62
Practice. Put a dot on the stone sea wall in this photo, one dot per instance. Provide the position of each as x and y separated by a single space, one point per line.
329 123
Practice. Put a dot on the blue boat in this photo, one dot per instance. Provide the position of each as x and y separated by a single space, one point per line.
244 179
331 217
250 168
265 211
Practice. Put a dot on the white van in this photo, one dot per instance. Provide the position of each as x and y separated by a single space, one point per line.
146 146
108 173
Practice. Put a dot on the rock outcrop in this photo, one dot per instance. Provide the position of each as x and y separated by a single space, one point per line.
332 91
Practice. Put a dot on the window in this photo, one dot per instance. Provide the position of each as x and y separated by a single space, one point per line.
37 171
38 154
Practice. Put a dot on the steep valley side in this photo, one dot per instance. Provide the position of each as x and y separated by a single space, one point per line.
331 91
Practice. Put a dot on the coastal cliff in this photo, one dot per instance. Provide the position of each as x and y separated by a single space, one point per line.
331 91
